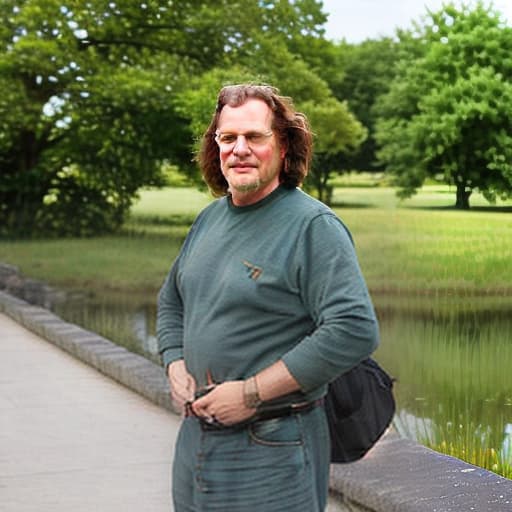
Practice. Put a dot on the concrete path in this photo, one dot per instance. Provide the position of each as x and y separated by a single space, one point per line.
73 440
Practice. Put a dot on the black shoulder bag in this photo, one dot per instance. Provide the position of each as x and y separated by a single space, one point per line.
360 406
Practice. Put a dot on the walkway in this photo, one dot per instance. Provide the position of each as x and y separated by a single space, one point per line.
73 440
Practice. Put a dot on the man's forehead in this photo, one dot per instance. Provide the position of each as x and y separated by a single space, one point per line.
252 113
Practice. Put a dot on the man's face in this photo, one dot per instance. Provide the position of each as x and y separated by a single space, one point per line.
250 155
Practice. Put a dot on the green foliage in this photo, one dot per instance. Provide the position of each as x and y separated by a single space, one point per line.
71 105
271 62
448 111
97 87
76 206
337 132
365 72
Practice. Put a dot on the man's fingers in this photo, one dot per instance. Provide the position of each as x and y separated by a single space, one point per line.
201 406
181 383
183 393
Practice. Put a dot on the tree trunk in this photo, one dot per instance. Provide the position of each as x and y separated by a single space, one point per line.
462 202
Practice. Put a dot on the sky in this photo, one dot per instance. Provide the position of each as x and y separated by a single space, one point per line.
357 20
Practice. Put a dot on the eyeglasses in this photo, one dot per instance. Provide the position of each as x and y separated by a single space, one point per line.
227 141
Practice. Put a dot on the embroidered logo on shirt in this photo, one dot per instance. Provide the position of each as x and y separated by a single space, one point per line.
253 271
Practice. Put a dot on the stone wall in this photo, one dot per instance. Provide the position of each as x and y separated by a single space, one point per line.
33 291
397 475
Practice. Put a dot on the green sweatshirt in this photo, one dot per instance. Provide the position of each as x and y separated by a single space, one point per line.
278 279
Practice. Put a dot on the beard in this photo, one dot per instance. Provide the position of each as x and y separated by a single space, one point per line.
246 187
244 183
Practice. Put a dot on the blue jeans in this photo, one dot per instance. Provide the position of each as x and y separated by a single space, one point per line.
276 465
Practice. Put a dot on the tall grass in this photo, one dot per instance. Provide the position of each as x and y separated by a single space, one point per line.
454 384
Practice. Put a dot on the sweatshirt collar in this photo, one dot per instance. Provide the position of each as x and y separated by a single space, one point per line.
268 199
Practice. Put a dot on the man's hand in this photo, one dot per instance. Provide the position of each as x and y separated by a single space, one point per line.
182 384
225 403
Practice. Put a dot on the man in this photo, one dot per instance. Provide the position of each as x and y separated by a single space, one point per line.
262 308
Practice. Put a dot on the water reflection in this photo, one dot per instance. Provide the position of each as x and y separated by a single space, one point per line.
451 360
507 443
127 321
142 329
454 389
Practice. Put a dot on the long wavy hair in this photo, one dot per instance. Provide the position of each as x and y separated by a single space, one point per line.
291 128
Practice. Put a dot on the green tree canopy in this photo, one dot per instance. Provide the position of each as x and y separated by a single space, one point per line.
365 72
448 111
94 94
338 134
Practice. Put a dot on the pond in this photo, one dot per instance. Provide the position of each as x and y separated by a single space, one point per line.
451 358
454 384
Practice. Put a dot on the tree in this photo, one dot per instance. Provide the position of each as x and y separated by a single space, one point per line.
89 108
365 72
337 134
447 113
78 134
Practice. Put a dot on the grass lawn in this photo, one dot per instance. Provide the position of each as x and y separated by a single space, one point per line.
417 247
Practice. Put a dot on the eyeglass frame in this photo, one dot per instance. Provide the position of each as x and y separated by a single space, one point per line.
227 146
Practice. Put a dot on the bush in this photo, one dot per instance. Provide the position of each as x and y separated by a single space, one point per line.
74 208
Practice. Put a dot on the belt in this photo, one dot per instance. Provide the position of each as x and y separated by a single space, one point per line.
263 415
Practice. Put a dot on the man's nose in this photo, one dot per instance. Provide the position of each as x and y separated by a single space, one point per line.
241 145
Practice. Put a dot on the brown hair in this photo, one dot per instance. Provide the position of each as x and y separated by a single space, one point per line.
291 128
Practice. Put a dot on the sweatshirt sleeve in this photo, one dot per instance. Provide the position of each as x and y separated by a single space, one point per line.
169 320
169 317
335 294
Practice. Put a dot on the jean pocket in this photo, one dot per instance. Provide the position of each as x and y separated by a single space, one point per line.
285 431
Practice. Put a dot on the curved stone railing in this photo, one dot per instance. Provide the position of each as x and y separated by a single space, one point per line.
397 475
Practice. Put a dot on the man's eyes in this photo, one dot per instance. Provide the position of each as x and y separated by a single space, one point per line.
228 138
255 137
